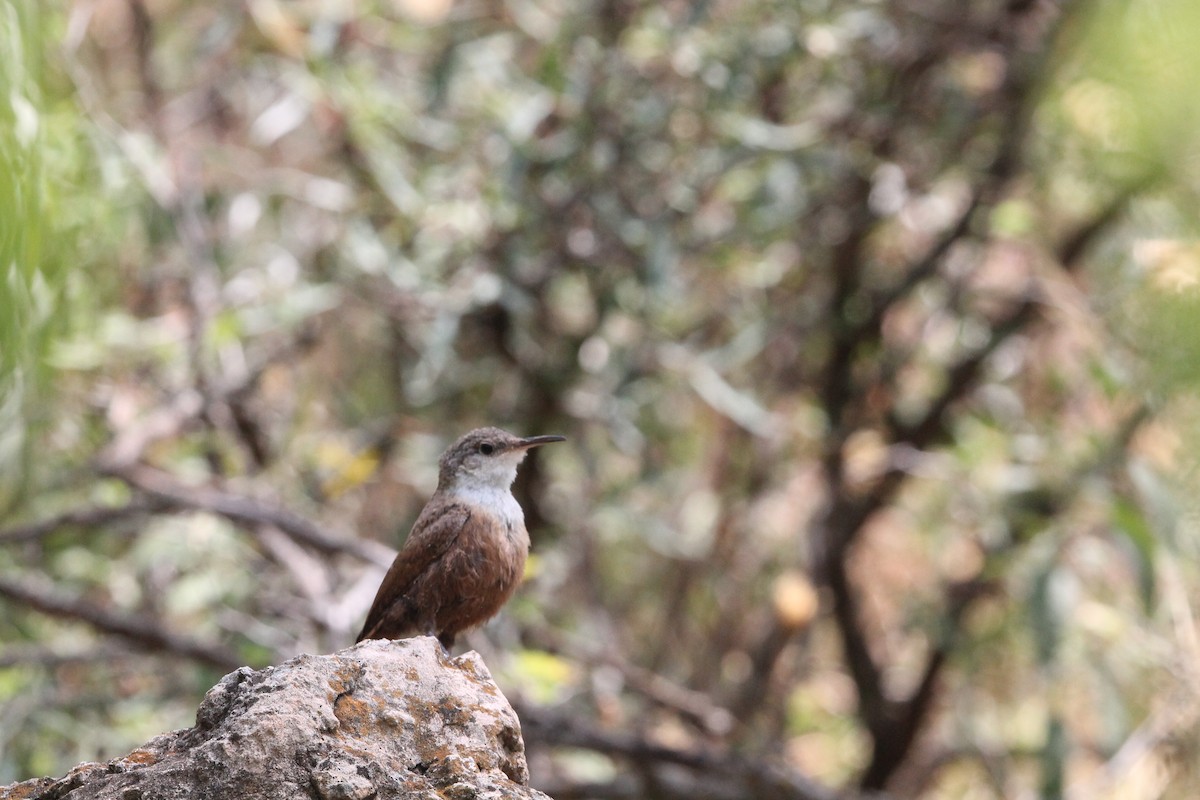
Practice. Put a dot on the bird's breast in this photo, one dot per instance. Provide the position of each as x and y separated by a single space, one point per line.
488 559
500 506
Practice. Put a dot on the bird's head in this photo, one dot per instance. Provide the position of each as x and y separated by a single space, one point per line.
486 458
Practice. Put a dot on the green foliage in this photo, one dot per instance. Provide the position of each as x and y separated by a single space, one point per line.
29 280
54 236
1134 94
1132 522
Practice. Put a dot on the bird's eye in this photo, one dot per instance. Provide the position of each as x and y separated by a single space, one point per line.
487 448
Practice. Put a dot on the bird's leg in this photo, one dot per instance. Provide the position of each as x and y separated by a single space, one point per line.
426 622
428 627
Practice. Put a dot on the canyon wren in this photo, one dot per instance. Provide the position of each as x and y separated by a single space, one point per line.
466 552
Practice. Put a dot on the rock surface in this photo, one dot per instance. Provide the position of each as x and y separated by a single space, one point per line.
380 720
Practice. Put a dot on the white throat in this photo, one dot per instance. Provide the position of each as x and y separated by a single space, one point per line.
495 499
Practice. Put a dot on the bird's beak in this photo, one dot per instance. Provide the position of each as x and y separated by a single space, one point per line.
534 441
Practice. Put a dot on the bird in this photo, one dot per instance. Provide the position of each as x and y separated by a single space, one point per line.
465 554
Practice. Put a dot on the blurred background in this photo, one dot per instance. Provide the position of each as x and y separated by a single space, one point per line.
874 326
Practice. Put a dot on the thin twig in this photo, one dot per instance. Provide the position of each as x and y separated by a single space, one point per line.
695 708
249 510
677 772
83 517
141 630
18 655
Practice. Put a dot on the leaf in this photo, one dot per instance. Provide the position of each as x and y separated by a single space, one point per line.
1051 604
1128 519
1054 758
544 675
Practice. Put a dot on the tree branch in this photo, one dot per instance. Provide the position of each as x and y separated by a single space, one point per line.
83 517
695 774
141 630
248 510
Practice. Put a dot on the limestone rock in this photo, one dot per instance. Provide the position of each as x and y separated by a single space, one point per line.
380 720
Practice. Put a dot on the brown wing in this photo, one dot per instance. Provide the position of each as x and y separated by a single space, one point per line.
431 536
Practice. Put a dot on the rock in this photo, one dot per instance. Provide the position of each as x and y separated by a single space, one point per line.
380 720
